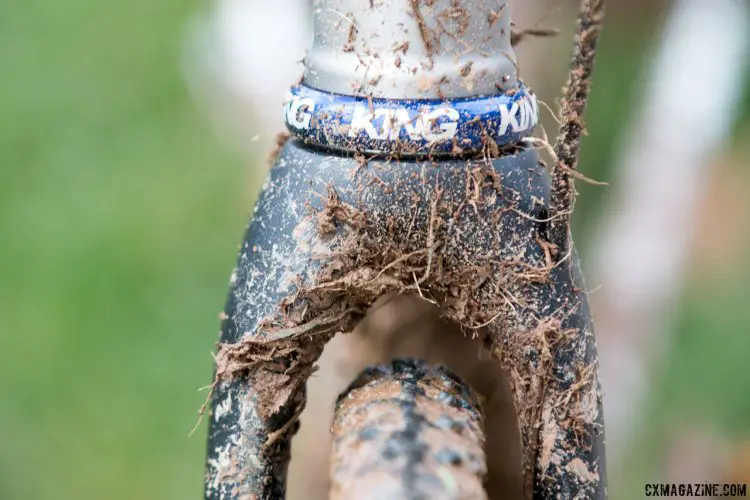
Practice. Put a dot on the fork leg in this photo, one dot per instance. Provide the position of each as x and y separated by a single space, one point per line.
259 388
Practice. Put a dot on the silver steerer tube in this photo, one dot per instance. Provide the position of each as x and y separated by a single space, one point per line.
407 49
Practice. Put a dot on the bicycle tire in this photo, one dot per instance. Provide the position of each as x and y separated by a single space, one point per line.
408 431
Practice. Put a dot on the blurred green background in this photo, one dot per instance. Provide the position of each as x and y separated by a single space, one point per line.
120 215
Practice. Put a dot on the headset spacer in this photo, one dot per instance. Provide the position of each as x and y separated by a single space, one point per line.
410 126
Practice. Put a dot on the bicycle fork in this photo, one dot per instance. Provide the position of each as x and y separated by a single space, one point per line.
406 173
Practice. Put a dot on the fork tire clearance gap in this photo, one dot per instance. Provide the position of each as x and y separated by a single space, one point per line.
410 126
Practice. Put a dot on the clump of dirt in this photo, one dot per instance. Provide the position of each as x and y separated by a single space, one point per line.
276 369
530 358
281 139
373 258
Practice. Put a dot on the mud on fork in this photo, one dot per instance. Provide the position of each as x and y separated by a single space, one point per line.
411 170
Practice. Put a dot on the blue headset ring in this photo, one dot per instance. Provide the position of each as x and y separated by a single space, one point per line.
410 126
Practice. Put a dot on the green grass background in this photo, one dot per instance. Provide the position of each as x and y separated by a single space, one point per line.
120 215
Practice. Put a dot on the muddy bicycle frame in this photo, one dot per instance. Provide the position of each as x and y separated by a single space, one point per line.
408 171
